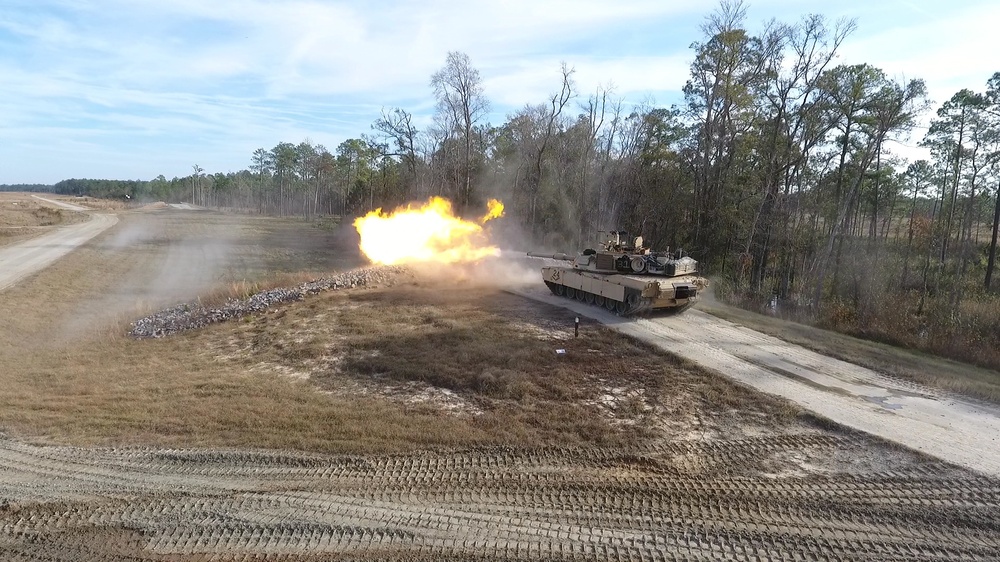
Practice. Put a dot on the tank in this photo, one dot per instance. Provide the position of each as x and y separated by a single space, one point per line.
626 278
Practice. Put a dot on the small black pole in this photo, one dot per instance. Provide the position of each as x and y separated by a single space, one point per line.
576 331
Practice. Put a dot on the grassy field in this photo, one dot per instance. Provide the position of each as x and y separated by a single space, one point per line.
415 365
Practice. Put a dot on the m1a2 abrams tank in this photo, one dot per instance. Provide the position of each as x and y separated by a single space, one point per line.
626 278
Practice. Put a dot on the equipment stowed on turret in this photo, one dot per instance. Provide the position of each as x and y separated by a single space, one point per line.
626 279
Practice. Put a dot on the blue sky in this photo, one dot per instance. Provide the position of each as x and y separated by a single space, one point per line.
130 89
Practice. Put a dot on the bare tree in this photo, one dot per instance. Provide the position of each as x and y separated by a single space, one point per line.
459 91
792 128
397 126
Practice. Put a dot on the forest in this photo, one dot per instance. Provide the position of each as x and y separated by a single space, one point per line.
775 173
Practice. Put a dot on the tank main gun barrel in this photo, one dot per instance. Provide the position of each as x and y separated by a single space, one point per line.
559 256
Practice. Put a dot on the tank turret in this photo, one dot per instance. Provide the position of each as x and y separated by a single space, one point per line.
625 276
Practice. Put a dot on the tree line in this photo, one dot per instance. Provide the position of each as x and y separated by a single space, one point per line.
775 173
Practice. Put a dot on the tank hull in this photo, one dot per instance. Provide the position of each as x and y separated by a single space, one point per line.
623 294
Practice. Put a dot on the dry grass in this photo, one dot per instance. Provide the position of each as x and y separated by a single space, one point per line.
47 216
23 216
71 377
496 355
350 371
97 203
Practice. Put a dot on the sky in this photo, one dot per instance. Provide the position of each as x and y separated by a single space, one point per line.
131 89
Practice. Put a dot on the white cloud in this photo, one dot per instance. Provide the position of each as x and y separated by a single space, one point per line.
631 77
193 80
954 51
950 48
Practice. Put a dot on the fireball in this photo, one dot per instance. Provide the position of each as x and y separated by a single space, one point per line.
429 233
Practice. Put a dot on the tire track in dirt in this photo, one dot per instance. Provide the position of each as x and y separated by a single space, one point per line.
697 500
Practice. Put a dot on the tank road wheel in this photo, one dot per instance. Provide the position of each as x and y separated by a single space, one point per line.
570 292
610 304
599 300
621 308
590 298
560 289
581 295
633 302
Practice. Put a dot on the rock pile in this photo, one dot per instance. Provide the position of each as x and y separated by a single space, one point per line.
192 316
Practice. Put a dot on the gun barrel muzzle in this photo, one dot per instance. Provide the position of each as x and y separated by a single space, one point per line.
559 256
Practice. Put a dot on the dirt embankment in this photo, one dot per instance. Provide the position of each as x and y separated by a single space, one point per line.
24 216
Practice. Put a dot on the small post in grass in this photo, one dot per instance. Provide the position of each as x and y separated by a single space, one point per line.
576 331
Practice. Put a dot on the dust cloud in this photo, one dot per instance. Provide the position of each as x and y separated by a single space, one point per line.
496 273
165 259
160 259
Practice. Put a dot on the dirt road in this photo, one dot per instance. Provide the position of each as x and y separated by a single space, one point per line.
30 256
943 425
62 204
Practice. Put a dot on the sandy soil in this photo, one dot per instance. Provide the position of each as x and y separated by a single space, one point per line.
791 497
949 427
30 256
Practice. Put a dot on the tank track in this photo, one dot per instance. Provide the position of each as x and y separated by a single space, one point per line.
671 500
634 302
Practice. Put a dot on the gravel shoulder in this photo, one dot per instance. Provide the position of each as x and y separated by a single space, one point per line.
925 419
